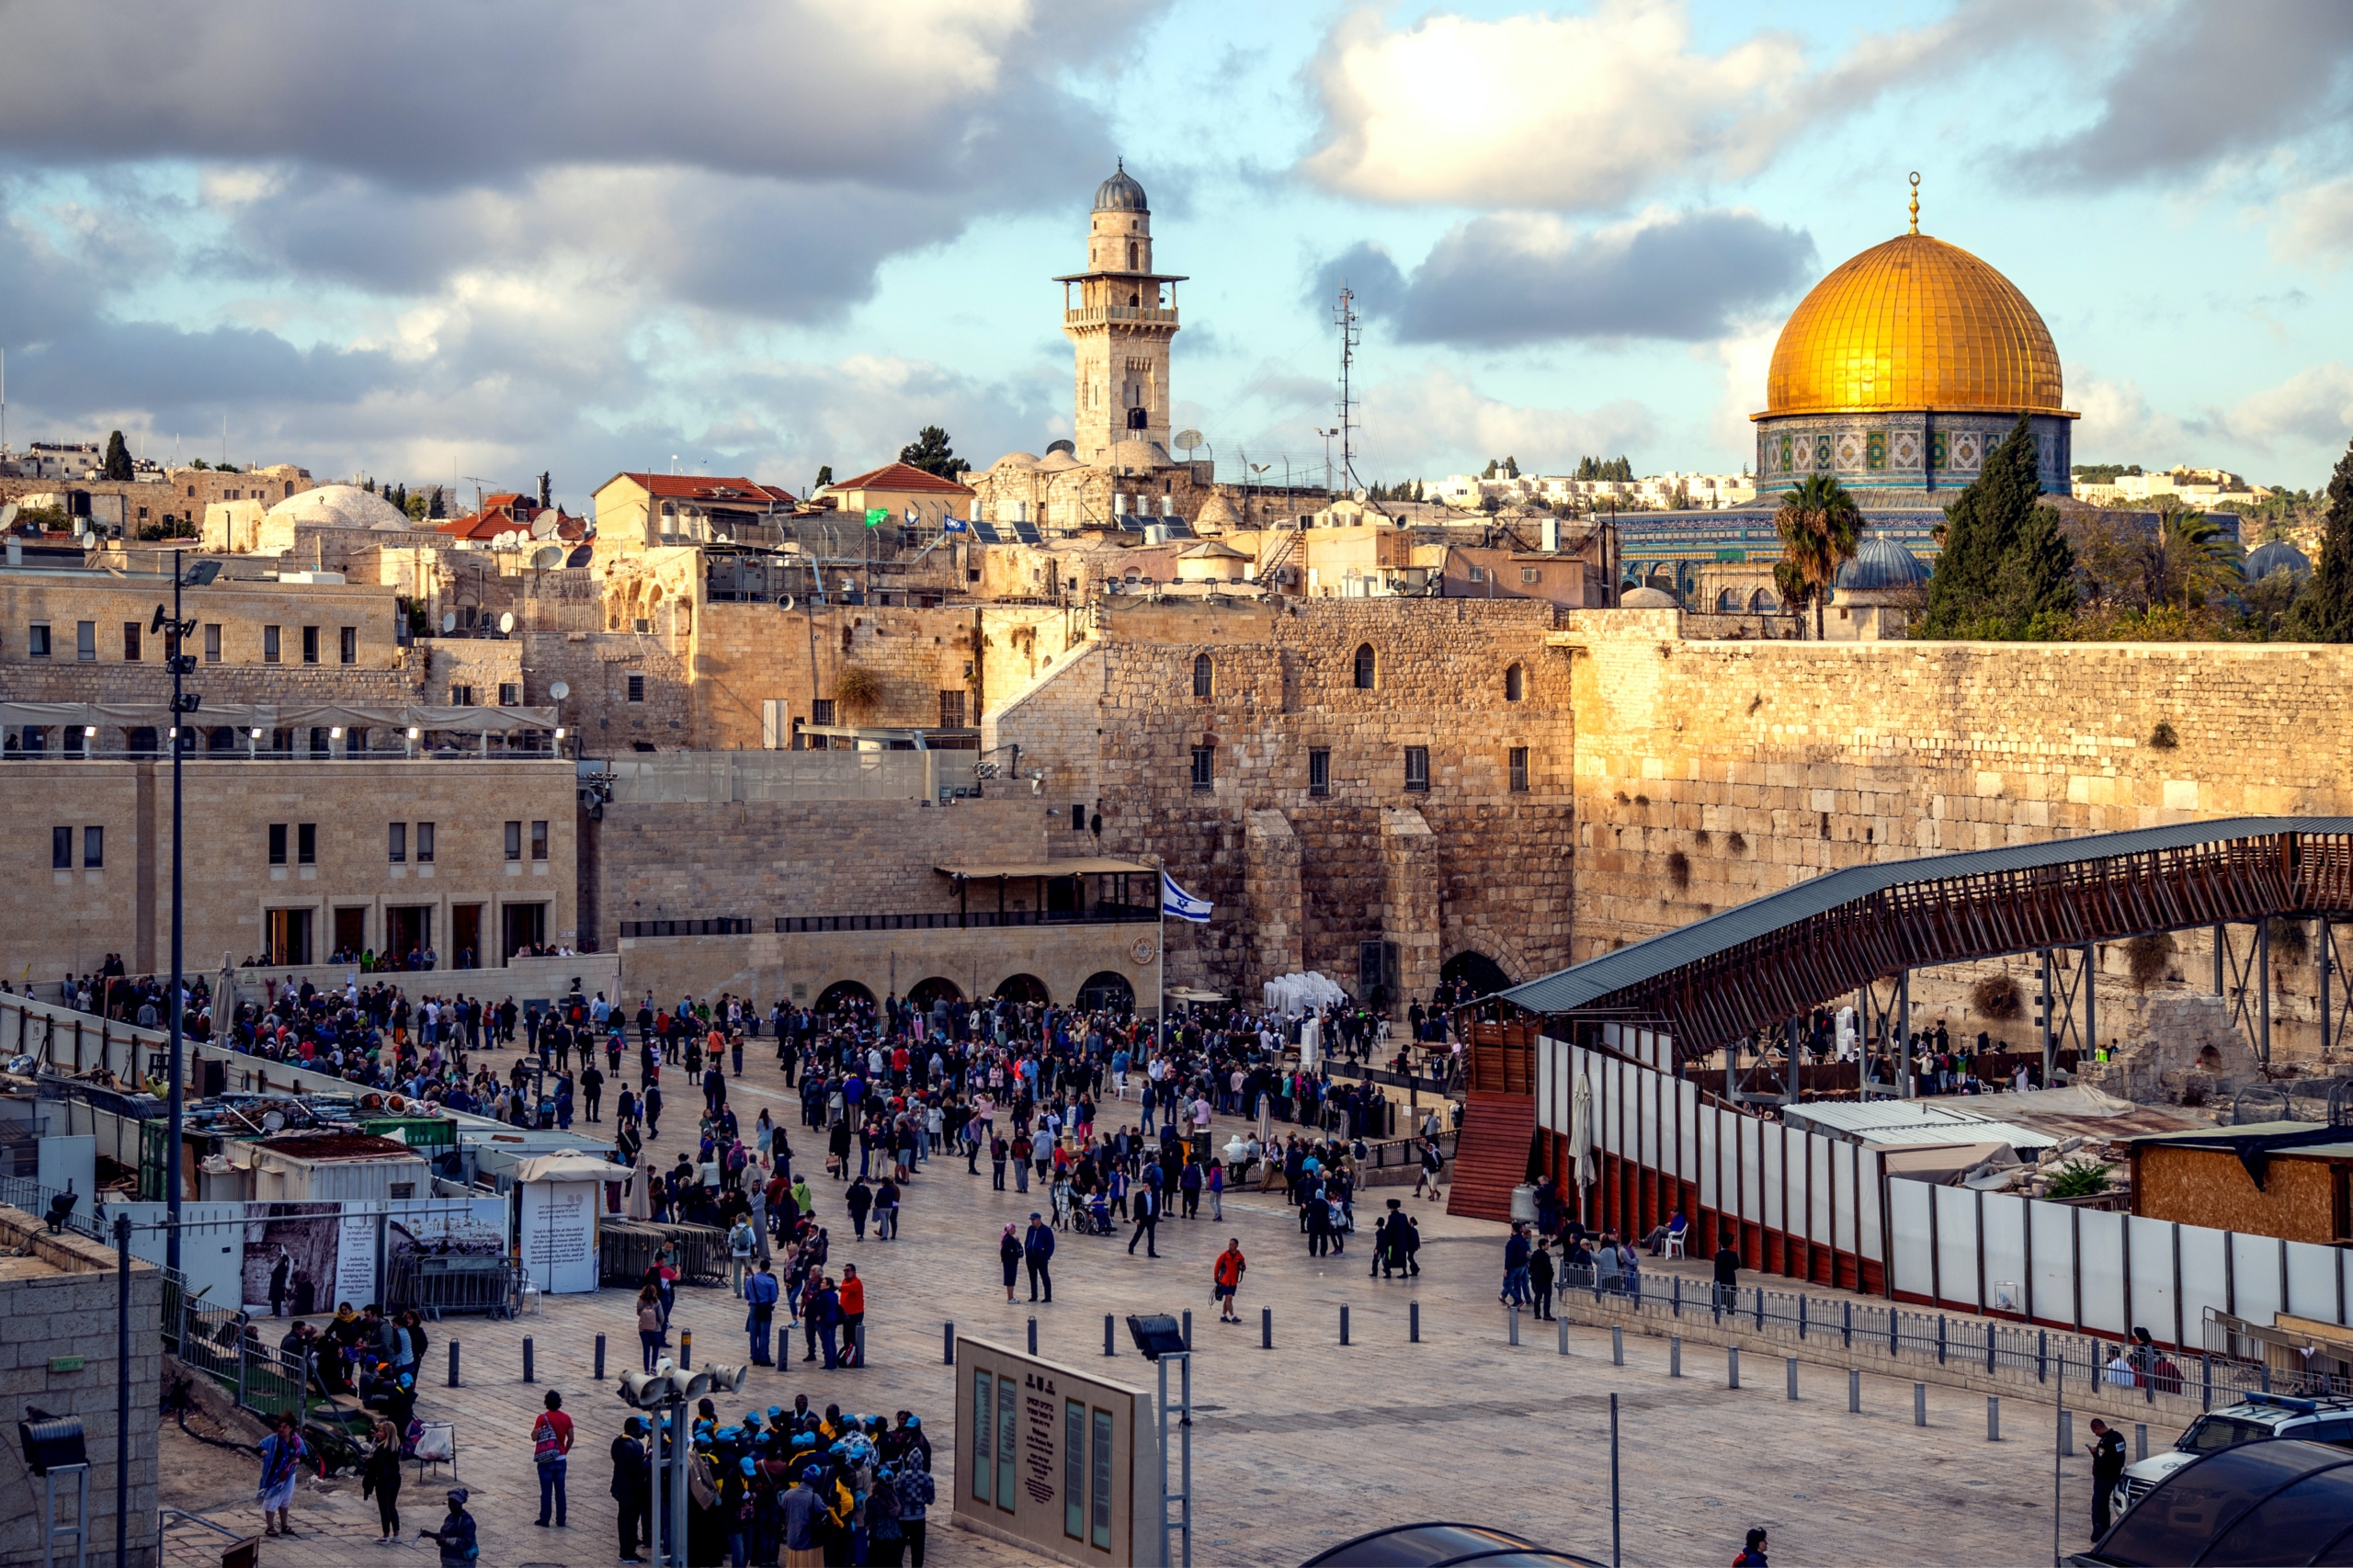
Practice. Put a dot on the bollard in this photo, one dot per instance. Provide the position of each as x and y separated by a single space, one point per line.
1617 1345
1413 1322
1562 1324
1940 1339
2140 1441
1189 1328
1731 1366
1919 1404
2066 1434
2042 1355
687 1348
453 1363
1343 1323
1266 1328
600 1357
1793 1374
1033 1336
527 1360
1675 1356
1514 1310
948 1341
1993 1419
1677 1297
1849 1331
1854 1391
1110 1344
1802 1304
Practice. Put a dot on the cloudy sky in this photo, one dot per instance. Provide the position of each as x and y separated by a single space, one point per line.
440 241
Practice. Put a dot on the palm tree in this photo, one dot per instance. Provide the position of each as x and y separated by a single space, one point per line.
2195 557
1820 528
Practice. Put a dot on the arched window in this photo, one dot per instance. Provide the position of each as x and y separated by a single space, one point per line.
1515 683
1132 256
1365 668
1204 676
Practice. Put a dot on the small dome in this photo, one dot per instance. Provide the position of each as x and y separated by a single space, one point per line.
1056 459
1217 516
2276 556
1120 193
1880 565
1016 460
1646 599
341 505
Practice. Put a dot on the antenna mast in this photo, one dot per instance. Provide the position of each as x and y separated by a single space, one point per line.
1344 316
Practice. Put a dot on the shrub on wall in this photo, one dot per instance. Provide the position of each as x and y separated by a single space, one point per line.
1996 996
858 689
2147 957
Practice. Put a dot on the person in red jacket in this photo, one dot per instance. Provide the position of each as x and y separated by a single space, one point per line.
853 1295
1227 1273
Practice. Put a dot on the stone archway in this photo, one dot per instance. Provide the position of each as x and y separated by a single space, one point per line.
844 994
1475 969
923 992
1107 990
1023 988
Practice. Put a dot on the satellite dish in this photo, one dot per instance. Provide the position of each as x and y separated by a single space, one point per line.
7 514
448 621
784 601
559 690
542 525
506 623
273 1121
1189 440
547 557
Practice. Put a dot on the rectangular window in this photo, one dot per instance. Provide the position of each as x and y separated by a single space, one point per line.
1520 770
821 709
212 644
1418 767
310 644
1204 767
350 639
1073 1469
306 844
37 642
1531 575
1319 771
277 844
60 848
129 642
462 697
951 710
1102 1497
398 850
86 641
513 841
269 644
1078 817
983 1435
1478 573
93 848
510 694
424 844
1008 1435
637 689
538 841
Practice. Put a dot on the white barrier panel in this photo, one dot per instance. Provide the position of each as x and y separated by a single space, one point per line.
2153 1291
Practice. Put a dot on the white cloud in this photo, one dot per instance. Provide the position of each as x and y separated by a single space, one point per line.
2119 424
2315 404
2305 416
1437 422
1746 356
2315 223
1589 111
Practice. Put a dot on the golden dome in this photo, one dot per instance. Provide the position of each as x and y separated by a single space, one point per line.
1914 324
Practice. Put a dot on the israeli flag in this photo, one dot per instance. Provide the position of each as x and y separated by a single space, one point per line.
1175 900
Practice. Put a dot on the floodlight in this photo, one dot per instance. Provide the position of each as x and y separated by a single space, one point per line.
559 735
1157 1334
256 734
51 1442
89 731
335 734
201 573
414 731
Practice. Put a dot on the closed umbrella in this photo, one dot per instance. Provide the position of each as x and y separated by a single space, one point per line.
641 1207
1581 1136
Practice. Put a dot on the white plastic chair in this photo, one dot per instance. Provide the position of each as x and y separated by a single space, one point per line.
1675 1242
531 1302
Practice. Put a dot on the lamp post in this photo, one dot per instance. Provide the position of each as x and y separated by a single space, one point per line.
183 664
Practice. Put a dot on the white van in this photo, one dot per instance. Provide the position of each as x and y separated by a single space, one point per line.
2327 1419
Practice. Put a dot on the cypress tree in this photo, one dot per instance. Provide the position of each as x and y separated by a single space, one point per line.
117 463
1983 527
2324 612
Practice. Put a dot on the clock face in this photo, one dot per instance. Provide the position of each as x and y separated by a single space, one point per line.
1141 949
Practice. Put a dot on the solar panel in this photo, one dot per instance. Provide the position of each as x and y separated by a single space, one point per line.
1177 527
985 533
1028 533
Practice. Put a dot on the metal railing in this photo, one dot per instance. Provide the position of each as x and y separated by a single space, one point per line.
2020 1351
953 920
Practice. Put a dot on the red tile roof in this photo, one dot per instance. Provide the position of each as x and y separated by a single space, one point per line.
705 487
903 477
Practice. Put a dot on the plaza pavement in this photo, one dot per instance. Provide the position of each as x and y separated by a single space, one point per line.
1295 1449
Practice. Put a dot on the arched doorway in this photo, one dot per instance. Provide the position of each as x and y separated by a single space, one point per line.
1023 988
844 995
923 992
1477 971
1107 990
141 741
220 738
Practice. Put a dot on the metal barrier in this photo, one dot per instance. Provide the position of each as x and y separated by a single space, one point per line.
627 1249
434 1285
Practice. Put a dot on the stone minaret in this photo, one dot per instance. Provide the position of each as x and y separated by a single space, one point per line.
1119 325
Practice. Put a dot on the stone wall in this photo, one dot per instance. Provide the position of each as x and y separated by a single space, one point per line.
1114 728
767 966
1711 773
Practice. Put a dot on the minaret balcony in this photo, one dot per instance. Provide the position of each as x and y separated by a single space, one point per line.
1096 315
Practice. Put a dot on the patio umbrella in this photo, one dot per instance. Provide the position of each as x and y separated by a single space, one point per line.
640 1206
1581 1135
1265 1119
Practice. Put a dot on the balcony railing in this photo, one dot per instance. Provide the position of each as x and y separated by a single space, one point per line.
1095 315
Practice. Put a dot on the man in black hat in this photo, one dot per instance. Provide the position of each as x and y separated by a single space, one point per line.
455 1536
632 1488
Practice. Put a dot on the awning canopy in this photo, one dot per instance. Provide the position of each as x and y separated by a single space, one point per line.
280 716
1075 867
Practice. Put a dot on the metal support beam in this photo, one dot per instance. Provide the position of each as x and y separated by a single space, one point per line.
1903 1035
2262 961
2091 1014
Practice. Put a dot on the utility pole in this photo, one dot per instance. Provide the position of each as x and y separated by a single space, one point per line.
1327 436
183 664
1344 316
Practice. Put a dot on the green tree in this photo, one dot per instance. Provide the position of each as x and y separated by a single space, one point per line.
2194 558
824 477
117 463
1820 528
419 507
1489 472
930 452
2324 613
1511 468
199 463
1978 589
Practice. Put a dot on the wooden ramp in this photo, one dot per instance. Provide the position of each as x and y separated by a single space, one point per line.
1491 1155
